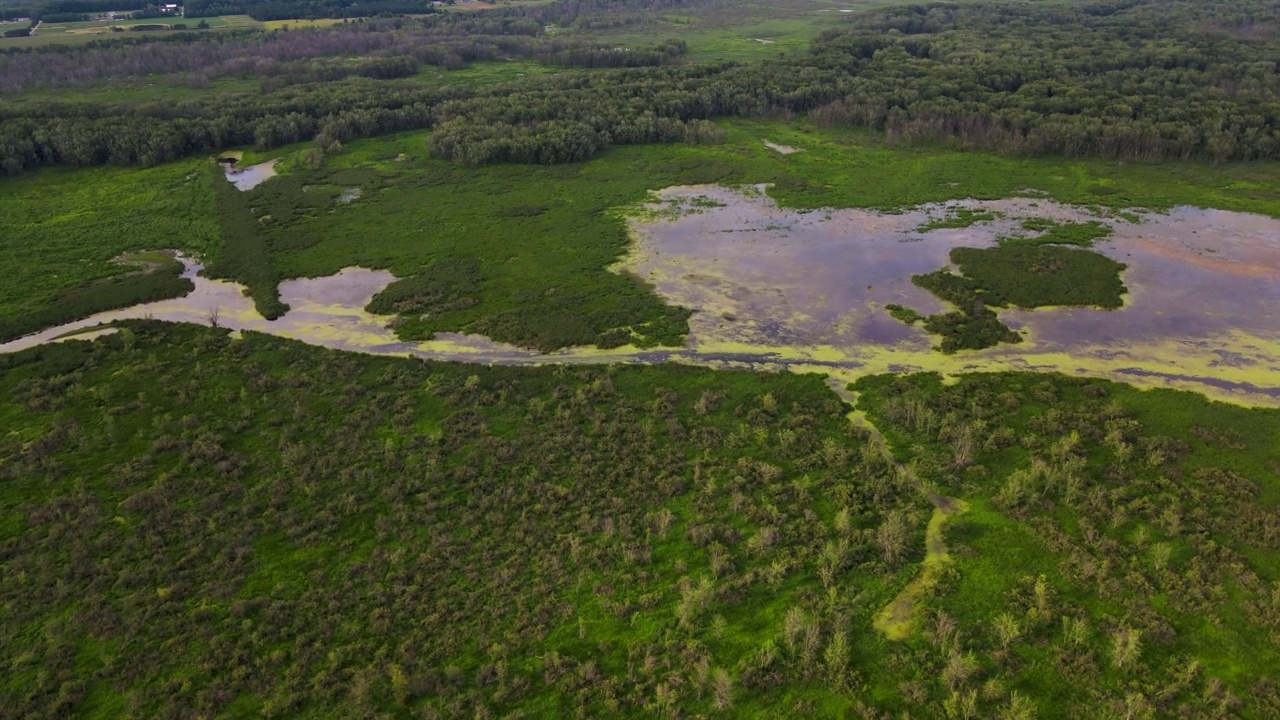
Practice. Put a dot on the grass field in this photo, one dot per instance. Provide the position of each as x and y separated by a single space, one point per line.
484 72
741 31
292 24
89 31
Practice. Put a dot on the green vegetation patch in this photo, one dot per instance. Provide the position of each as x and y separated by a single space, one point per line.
1027 276
437 288
159 280
904 314
1041 276
535 541
1113 551
244 255
957 218
62 232
195 524
1052 232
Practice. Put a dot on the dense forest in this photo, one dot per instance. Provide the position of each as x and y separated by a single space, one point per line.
49 8
72 10
306 9
1138 80
192 525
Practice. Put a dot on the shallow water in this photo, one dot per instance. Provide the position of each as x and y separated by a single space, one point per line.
775 289
1202 313
248 178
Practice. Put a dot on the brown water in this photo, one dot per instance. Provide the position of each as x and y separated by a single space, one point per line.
777 289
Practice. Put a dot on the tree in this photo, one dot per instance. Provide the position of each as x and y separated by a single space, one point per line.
721 689
1019 707
836 657
892 536
1007 629
1126 646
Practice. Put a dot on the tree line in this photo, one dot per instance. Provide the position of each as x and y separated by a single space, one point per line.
1181 81
264 10
196 60
48 9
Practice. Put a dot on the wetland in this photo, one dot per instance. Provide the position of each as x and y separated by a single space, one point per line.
774 288
644 358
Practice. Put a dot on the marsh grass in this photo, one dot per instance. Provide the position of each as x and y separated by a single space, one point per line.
1046 270
61 232
1041 276
1052 232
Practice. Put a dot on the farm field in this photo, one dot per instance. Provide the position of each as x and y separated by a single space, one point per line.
642 359
73 33
294 24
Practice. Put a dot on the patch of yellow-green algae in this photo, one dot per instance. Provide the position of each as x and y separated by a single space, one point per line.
899 619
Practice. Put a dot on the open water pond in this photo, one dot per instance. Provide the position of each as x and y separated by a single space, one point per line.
248 178
1202 312
775 289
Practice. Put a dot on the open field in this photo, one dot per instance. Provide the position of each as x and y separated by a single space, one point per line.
484 72
743 31
293 24
89 31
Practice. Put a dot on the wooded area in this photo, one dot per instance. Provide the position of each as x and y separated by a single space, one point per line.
1139 80
194 525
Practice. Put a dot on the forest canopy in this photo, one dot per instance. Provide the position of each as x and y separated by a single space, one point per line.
1141 80
197 525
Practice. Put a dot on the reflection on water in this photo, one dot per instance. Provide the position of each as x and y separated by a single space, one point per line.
1203 309
775 289
248 178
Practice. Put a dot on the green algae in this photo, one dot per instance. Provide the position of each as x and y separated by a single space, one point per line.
899 619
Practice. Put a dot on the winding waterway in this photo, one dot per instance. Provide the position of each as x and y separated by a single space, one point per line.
778 289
